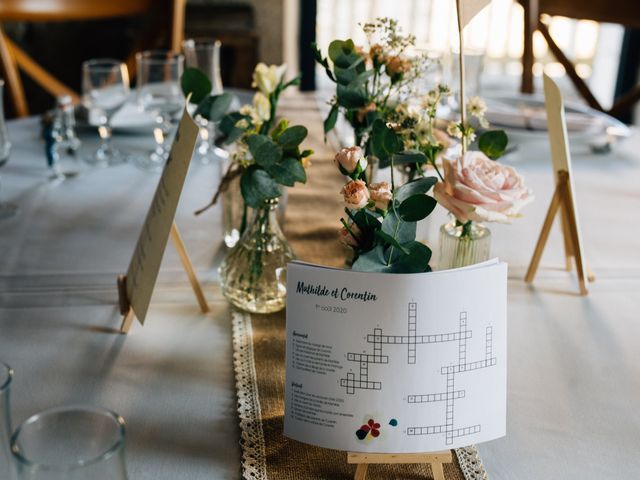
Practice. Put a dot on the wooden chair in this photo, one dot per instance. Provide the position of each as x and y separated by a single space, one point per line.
623 12
13 57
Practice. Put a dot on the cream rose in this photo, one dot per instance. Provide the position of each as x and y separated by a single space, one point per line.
479 189
347 238
349 158
266 78
356 195
380 193
262 106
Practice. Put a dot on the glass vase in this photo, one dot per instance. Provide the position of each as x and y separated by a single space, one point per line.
234 220
253 276
462 245
6 462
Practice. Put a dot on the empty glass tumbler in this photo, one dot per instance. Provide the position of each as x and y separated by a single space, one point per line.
6 468
71 443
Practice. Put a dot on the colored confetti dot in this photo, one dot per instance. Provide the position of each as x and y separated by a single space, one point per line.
393 422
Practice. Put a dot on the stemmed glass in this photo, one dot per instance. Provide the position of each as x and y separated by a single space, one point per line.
159 93
204 54
105 88
6 374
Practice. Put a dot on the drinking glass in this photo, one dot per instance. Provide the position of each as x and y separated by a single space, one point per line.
105 88
70 443
473 68
204 54
159 93
6 465
7 210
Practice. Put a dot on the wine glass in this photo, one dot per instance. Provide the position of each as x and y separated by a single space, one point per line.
204 54
7 210
159 93
105 88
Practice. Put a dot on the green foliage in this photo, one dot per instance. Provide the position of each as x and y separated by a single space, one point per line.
419 185
196 83
416 207
331 120
384 142
292 137
257 186
493 143
214 107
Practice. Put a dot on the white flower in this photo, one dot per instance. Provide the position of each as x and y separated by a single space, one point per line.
247 110
453 130
430 99
266 78
262 106
476 107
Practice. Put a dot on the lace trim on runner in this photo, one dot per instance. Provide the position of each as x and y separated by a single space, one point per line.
471 463
254 465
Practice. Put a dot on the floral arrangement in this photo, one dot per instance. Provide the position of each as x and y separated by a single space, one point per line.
370 83
381 218
266 155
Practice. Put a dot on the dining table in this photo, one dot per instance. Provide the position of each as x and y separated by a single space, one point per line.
573 406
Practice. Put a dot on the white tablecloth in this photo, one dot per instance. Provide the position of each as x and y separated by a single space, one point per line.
574 362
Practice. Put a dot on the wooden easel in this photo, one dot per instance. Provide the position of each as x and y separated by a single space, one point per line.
125 306
563 198
435 459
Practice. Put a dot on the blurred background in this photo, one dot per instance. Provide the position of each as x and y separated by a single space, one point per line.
605 55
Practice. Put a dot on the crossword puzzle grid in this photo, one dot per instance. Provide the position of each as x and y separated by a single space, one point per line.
450 371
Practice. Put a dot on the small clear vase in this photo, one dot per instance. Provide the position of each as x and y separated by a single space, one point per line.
253 276
462 245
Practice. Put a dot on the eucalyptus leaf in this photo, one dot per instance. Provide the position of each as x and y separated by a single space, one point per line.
384 142
416 207
292 137
351 97
493 143
372 261
409 156
390 241
288 172
414 187
416 261
267 154
402 231
196 83
331 119
214 107
255 141
257 186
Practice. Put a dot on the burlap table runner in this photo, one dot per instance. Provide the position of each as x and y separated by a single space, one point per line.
312 220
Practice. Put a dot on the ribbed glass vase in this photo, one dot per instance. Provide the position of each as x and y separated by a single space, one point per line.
462 245
253 276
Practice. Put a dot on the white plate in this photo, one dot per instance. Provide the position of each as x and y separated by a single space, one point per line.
524 114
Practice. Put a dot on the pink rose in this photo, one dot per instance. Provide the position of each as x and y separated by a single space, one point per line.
349 158
356 195
381 194
346 237
479 189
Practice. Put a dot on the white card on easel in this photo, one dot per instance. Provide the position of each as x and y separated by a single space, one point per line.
396 363
145 263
